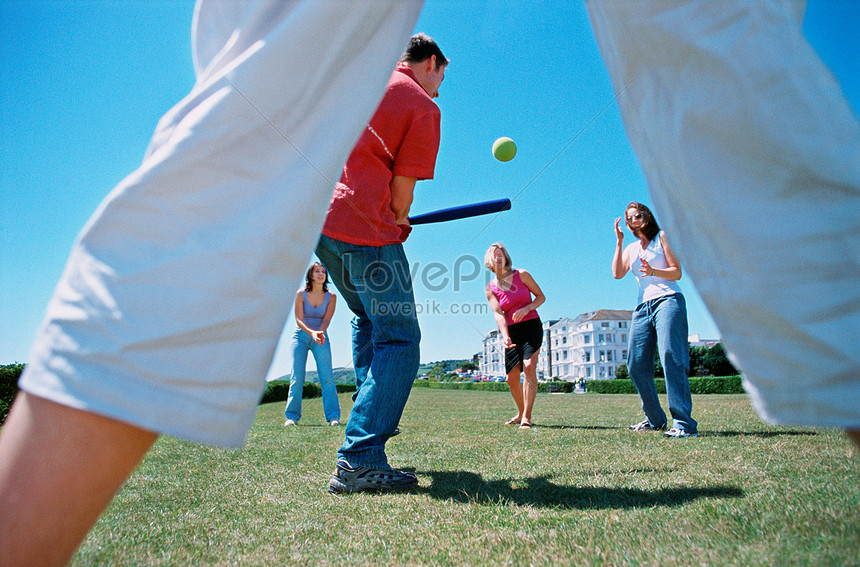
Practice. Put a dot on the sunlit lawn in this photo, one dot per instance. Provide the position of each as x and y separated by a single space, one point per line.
577 489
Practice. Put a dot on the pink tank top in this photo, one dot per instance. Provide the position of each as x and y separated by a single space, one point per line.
516 297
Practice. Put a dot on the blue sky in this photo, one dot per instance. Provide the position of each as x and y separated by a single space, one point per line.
85 81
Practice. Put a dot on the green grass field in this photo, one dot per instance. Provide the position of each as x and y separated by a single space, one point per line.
578 489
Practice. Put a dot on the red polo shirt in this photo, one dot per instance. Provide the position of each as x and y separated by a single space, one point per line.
402 138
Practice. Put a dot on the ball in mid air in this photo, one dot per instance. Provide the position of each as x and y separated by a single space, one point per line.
504 149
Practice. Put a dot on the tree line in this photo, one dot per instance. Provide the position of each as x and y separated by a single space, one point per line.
704 361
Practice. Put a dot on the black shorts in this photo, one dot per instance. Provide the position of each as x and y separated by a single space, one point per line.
527 338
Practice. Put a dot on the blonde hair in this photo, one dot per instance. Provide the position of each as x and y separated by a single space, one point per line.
488 257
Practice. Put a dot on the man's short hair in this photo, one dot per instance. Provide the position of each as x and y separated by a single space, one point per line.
420 47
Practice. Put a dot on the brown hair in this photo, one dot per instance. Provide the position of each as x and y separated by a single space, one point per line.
649 229
309 277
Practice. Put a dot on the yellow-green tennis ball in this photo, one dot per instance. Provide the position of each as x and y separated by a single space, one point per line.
504 149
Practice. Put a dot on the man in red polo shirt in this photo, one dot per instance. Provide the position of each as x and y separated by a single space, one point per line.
361 247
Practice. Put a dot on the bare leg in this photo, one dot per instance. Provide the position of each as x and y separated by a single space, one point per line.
529 389
59 468
517 393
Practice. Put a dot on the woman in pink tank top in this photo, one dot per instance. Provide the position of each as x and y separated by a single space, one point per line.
514 298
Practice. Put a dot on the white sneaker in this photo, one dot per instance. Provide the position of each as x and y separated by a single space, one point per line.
679 433
289 422
334 423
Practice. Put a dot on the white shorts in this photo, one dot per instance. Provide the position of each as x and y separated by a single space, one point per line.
171 305
752 156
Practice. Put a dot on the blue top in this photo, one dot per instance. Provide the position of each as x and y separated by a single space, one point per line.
314 315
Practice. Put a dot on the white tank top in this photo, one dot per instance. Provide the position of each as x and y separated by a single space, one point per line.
651 287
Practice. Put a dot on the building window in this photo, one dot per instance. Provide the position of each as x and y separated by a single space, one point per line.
586 356
565 355
588 372
564 340
624 354
622 324
609 356
604 325
602 356
623 337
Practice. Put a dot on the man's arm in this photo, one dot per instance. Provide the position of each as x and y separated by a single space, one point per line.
402 189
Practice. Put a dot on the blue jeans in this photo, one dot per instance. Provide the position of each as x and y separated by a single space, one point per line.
302 343
662 324
376 284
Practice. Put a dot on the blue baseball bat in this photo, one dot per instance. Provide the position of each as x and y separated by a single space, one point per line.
462 212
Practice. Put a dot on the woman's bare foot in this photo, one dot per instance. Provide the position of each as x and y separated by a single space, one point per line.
513 421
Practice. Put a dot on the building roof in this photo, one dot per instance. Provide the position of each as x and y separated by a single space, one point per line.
606 315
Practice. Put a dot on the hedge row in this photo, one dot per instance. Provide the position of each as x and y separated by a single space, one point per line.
543 387
276 391
706 385
9 374
279 391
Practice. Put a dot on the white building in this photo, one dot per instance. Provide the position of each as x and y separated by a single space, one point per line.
590 346
491 361
492 355
544 369
554 352
596 345
696 341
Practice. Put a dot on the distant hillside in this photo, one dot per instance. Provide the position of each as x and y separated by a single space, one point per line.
343 375
447 365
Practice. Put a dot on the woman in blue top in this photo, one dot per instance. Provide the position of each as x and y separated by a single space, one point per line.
314 310
659 322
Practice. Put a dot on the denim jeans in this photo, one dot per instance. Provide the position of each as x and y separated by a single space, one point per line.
302 343
661 324
376 284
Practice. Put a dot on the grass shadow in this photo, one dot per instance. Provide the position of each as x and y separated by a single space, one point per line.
469 487
586 427
763 434
702 433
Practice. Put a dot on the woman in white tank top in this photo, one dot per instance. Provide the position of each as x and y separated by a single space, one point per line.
659 322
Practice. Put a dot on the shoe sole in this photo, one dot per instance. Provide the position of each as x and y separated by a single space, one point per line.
335 486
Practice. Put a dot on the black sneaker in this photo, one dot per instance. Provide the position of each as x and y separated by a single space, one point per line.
347 479
646 426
